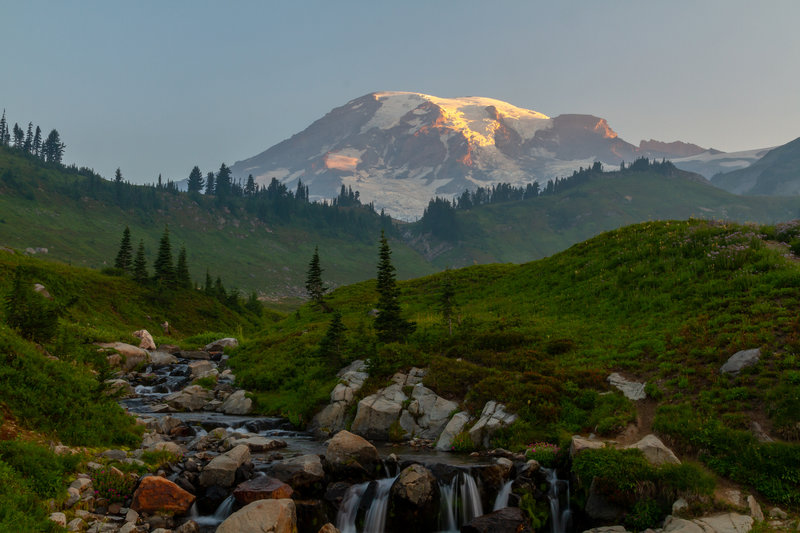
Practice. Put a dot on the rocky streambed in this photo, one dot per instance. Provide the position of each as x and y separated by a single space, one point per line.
230 471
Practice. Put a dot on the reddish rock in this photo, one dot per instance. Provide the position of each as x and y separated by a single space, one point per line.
159 494
262 488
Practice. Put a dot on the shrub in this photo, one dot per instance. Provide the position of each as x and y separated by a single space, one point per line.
44 471
462 443
646 513
543 452
112 485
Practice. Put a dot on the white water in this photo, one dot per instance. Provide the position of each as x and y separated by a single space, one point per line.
376 515
560 519
375 520
222 512
460 502
502 497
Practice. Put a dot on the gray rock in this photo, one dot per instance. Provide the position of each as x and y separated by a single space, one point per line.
632 390
347 451
607 529
755 509
377 412
455 426
221 470
146 339
159 358
655 451
201 369
236 404
429 413
220 344
192 398
740 360
76 524
722 523
579 444
302 472
119 386
194 354
132 356
493 417
260 444
59 518
332 417
262 516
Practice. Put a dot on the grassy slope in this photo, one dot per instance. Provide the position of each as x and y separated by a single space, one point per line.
521 231
665 302
245 252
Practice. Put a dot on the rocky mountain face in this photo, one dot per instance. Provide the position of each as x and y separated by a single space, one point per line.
776 173
399 149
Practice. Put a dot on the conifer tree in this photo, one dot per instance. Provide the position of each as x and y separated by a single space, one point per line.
163 269
19 136
53 148
118 176
4 136
37 142
331 347
223 186
390 325
253 304
314 286
196 182
124 260
140 274
211 184
28 144
182 270
208 288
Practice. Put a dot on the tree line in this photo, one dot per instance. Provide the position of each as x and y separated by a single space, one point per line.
49 150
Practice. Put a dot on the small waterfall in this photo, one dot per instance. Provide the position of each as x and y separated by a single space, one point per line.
460 502
502 497
219 516
559 518
375 520
376 515
346 518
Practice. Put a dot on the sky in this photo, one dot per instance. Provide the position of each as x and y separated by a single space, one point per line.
156 87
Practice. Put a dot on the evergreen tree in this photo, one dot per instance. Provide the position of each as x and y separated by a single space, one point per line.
253 304
314 286
219 290
182 275
28 144
331 347
19 136
124 259
250 186
196 182
390 325
163 269
118 176
4 136
140 274
53 148
211 184
37 142
208 288
223 181
446 300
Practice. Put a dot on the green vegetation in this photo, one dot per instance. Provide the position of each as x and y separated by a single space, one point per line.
664 302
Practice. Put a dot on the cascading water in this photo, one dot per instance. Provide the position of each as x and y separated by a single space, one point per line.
375 519
222 512
560 519
502 497
460 502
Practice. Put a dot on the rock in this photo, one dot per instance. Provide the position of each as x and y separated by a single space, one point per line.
201 369
59 518
732 497
679 506
260 444
377 412
192 398
236 404
40 289
221 470
76 524
755 509
507 520
723 523
493 417
778 513
161 358
114 455
328 528
221 344
759 432
159 494
455 426
414 501
131 355
332 417
427 414
119 387
655 451
169 348
131 516
311 515
579 444
128 528
352 456
740 360
189 526
194 354
262 516
81 484
169 446
146 339
166 424
607 529
632 390
73 496
262 488
303 473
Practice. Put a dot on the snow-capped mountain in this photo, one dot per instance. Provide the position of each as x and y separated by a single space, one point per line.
400 149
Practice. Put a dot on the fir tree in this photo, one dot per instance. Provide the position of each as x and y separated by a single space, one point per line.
182 275
4 136
390 325
163 269
124 260
223 187
37 142
28 144
250 186
19 136
314 286
331 347
196 182
53 148
118 176
253 304
210 184
140 274
208 288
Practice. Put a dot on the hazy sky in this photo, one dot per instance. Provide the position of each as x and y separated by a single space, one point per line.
158 87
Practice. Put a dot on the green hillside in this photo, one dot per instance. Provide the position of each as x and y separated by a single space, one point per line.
524 230
662 302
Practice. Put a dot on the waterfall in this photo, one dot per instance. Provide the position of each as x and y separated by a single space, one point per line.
375 519
460 502
376 515
502 497
559 518
222 512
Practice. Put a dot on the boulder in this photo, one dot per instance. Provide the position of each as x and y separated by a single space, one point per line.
740 360
414 501
146 339
262 516
258 444
493 417
262 488
158 494
655 451
220 344
194 354
118 387
192 398
328 528
221 470
633 390
427 414
455 426
304 473
377 412
201 368
59 518
311 514
41 289
755 508
506 520
607 529
348 454
160 358
722 523
132 356
332 417
237 404
579 444
169 446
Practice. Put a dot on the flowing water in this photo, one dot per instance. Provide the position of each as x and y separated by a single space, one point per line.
501 501
558 496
